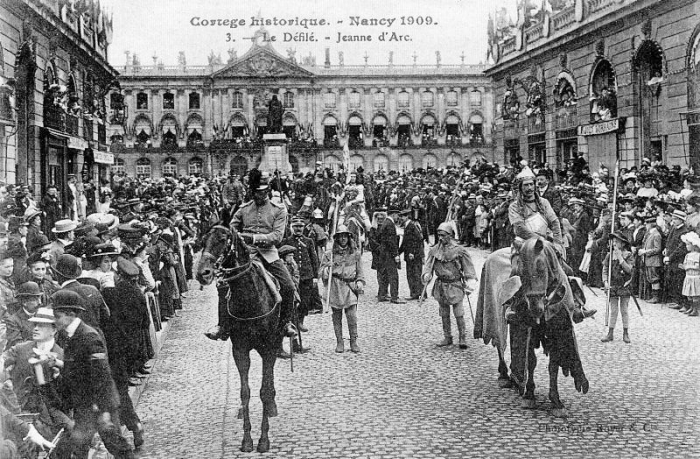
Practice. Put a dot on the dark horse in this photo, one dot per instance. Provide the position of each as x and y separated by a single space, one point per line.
254 310
542 300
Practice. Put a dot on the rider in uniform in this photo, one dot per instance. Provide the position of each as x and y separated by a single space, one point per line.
261 223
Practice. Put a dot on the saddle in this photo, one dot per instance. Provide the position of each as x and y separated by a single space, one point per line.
252 283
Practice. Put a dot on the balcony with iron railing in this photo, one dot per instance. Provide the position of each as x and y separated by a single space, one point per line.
54 117
72 125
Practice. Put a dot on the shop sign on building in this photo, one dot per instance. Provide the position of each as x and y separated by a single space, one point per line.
77 143
104 157
604 127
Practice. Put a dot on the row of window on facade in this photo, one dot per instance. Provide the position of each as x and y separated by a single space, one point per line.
195 166
380 130
329 100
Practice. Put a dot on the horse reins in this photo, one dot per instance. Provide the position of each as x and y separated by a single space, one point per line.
231 248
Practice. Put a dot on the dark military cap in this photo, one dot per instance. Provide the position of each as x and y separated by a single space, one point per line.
103 249
286 250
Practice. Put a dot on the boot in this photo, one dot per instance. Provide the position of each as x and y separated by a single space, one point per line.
609 336
338 328
217 333
685 309
626 336
461 326
694 312
138 436
447 330
352 328
654 297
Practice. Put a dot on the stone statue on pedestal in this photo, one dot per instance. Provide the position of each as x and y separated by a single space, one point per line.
274 115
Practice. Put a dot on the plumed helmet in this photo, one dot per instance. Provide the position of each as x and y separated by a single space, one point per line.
448 228
256 181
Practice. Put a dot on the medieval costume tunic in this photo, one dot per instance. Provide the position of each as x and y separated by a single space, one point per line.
346 271
453 267
532 219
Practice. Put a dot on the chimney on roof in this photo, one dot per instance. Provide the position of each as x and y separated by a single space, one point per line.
328 58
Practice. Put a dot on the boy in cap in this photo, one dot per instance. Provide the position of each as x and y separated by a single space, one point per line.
19 328
651 257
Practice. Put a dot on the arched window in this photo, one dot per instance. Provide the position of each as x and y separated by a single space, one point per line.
239 166
195 166
405 163
452 98
329 100
194 101
143 167
476 130
454 159
354 100
603 92
404 99
168 101
288 99
427 99
332 162
379 100
356 161
119 166
381 163
169 167
142 101
475 98
429 161
237 100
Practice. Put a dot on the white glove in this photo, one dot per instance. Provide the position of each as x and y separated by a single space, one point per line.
35 437
470 285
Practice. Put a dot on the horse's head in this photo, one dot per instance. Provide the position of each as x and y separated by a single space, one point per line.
216 243
537 268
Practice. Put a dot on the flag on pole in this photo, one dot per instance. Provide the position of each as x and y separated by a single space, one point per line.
346 162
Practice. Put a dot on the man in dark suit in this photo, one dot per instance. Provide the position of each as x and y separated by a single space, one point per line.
85 383
674 254
128 320
306 258
389 260
548 192
413 253
95 312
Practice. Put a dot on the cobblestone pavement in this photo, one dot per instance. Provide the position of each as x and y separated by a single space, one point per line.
404 397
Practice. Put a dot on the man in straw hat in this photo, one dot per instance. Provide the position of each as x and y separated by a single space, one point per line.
63 231
27 381
86 383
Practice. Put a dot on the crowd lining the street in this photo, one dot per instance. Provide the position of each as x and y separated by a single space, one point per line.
85 286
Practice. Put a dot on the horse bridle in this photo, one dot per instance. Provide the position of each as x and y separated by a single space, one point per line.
230 248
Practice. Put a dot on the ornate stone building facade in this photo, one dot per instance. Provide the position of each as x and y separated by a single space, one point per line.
606 78
210 119
54 78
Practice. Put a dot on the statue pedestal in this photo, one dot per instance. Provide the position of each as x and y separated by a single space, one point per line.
275 155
